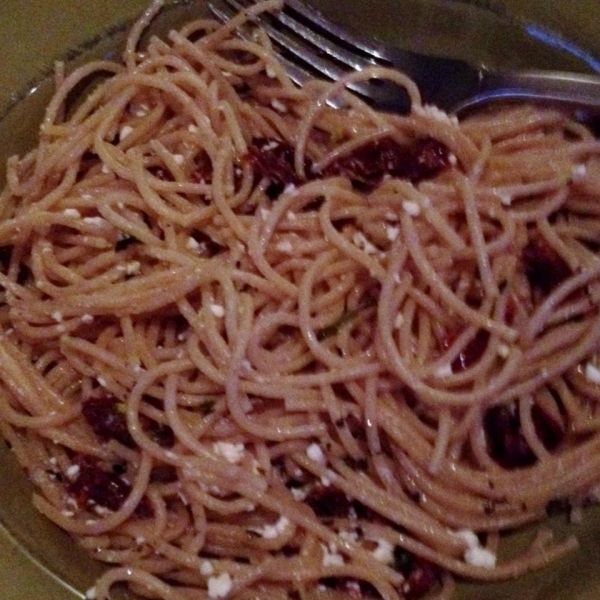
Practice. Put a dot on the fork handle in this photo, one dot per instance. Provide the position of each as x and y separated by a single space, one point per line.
578 91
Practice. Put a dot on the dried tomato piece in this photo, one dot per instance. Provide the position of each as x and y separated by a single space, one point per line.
94 486
274 160
420 575
544 267
104 415
472 352
367 165
328 502
506 443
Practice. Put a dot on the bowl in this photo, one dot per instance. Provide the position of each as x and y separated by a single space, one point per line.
37 559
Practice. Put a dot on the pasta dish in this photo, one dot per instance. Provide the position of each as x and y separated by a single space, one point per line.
255 343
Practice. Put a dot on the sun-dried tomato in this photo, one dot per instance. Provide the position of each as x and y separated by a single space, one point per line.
367 165
544 267
95 486
506 443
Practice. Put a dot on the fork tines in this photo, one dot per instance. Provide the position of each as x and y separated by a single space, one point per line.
312 46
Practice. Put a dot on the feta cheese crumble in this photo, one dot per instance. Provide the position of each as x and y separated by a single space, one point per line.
331 558
384 552
217 310
219 586
412 208
315 453
233 453
592 373
270 532
475 554
72 212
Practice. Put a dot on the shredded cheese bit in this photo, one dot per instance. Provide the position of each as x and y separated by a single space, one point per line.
87 319
73 471
72 212
57 316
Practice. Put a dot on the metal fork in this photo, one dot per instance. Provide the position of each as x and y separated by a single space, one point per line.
311 45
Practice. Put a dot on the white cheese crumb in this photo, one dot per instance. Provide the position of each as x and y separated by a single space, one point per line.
125 131
140 540
130 268
285 246
101 381
384 552
231 452
53 461
350 537
278 105
220 586
264 214
73 471
290 216
592 373
505 198
399 321
503 351
142 111
315 453
94 221
290 189
193 128
475 554
579 173
217 310
331 558
480 557
435 113
91 594
469 537
270 72
392 232
87 318
443 371
178 158
72 212
452 159
105 169
299 494
67 513
412 208
270 532
192 244
206 568
57 316
359 240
